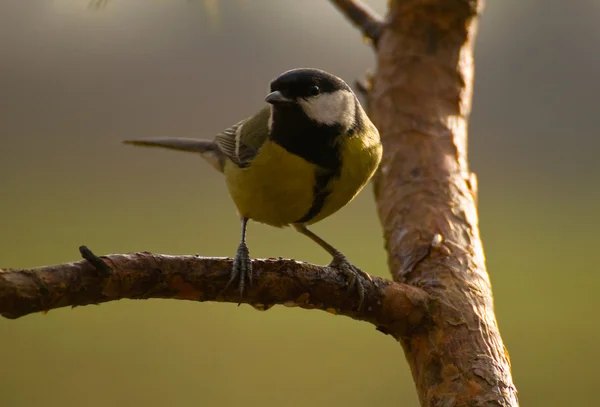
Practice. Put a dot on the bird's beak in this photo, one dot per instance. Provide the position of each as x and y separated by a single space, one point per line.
277 97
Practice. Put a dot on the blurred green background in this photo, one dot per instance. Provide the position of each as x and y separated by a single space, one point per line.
75 81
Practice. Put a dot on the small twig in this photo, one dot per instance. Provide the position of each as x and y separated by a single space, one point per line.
368 21
101 267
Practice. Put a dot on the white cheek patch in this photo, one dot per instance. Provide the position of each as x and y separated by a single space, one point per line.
330 109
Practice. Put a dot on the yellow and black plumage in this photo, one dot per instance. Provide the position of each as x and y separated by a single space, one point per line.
304 156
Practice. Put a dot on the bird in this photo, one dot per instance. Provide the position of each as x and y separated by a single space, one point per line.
306 154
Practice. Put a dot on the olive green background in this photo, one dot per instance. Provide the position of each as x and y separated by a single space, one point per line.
75 81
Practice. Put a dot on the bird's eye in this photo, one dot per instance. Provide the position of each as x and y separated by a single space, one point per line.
314 90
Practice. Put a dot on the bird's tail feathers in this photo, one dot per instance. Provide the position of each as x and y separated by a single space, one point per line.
208 149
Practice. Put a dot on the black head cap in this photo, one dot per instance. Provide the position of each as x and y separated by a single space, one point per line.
307 82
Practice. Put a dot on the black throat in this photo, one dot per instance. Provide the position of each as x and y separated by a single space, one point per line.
299 135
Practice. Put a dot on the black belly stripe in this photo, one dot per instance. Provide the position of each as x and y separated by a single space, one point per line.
321 191
317 144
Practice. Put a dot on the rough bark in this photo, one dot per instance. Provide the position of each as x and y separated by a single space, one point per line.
426 198
387 305
440 306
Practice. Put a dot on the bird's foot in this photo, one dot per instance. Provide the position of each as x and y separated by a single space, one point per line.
241 270
356 277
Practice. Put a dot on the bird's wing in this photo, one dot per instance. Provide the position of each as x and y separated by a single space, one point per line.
242 141
227 141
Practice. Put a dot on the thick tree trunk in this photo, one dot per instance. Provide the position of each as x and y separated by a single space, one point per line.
426 197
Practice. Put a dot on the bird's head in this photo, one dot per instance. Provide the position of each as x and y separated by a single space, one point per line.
324 98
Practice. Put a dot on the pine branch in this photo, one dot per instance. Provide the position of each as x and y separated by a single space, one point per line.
392 308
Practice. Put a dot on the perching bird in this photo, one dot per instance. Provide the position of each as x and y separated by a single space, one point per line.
301 158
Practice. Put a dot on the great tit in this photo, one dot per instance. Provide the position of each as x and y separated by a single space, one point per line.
301 158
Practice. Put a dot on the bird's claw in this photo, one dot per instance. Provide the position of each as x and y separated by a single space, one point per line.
356 277
242 269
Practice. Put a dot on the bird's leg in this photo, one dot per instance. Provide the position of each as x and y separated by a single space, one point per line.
354 274
242 264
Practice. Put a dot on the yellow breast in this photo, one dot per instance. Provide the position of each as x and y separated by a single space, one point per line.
277 188
360 159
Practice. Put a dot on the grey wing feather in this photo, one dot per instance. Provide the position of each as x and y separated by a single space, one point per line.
226 141
242 141
231 143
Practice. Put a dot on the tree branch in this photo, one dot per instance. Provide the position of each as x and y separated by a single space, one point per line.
393 308
367 20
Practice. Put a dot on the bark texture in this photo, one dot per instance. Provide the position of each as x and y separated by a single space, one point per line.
426 196
391 307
